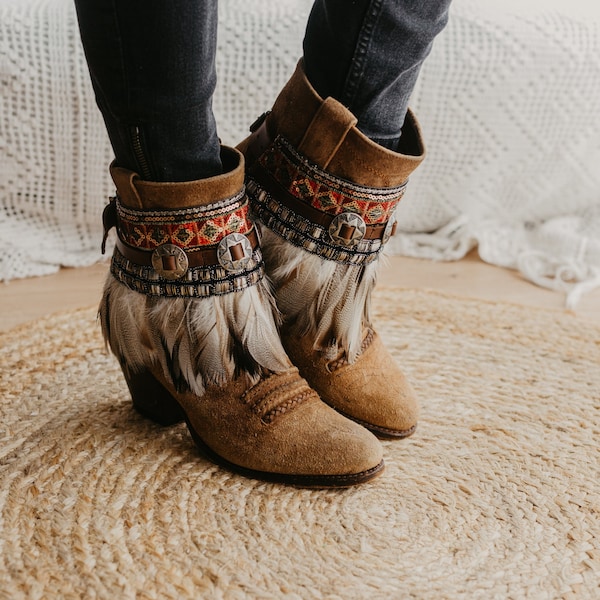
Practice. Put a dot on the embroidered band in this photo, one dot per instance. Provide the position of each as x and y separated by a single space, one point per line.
188 228
318 212
303 233
325 192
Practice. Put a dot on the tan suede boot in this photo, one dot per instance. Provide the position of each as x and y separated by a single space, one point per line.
191 319
326 195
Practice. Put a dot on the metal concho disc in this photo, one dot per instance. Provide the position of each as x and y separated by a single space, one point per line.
170 261
389 228
234 252
347 229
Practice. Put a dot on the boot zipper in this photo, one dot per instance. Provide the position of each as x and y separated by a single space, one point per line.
138 152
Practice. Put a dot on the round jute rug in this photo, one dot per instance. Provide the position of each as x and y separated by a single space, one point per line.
495 496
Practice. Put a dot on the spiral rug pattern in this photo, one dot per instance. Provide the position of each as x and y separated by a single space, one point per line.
495 496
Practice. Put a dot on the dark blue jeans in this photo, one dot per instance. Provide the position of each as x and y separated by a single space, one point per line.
152 65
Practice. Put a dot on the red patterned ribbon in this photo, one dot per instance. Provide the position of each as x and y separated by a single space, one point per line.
185 233
326 193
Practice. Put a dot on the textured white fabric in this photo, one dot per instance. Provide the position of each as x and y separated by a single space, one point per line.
53 149
509 101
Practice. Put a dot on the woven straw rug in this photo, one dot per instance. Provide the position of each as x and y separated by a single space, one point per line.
495 496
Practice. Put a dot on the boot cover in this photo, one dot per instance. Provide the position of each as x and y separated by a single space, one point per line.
190 316
327 195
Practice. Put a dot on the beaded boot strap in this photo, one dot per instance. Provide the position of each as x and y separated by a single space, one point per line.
316 211
194 252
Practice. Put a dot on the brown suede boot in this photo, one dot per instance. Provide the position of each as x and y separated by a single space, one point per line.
191 319
326 195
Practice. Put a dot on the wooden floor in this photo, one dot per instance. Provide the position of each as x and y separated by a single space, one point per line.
27 299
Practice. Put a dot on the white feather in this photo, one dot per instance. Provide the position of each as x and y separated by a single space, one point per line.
324 299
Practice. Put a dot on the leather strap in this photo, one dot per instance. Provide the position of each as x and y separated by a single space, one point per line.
205 257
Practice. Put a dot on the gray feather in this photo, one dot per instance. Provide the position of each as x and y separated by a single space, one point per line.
197 342
322 298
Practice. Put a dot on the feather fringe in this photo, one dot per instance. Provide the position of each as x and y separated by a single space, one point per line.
197 342
327 300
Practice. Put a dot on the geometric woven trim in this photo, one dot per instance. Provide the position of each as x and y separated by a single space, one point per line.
325 192
198 282
187 228
304 233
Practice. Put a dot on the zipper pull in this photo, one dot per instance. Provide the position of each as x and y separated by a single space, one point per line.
144 170
259 121
109 220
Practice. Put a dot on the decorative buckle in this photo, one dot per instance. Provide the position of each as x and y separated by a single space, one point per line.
170 261
234 252
347 229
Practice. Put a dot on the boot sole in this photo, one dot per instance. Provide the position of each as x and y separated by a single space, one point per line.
153 401
302 481
382 432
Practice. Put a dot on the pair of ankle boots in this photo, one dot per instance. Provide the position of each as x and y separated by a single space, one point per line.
280 378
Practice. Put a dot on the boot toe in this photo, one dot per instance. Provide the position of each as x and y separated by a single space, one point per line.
281 431
372 391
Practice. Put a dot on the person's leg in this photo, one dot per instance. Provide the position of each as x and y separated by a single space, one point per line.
368 54
186 308
327 167
152 65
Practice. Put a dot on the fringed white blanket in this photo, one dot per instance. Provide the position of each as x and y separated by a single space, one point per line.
509 101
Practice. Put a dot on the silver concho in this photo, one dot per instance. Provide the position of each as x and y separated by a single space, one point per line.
347 229
389 228
170 261
234 252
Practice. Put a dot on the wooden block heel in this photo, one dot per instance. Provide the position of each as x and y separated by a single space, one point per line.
152 400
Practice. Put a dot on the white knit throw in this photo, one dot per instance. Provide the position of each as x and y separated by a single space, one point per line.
509 101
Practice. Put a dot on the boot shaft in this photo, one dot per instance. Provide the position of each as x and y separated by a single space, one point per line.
325 132
138 194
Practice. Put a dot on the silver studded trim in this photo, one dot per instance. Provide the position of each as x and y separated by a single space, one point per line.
347 229
170 261
197 282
